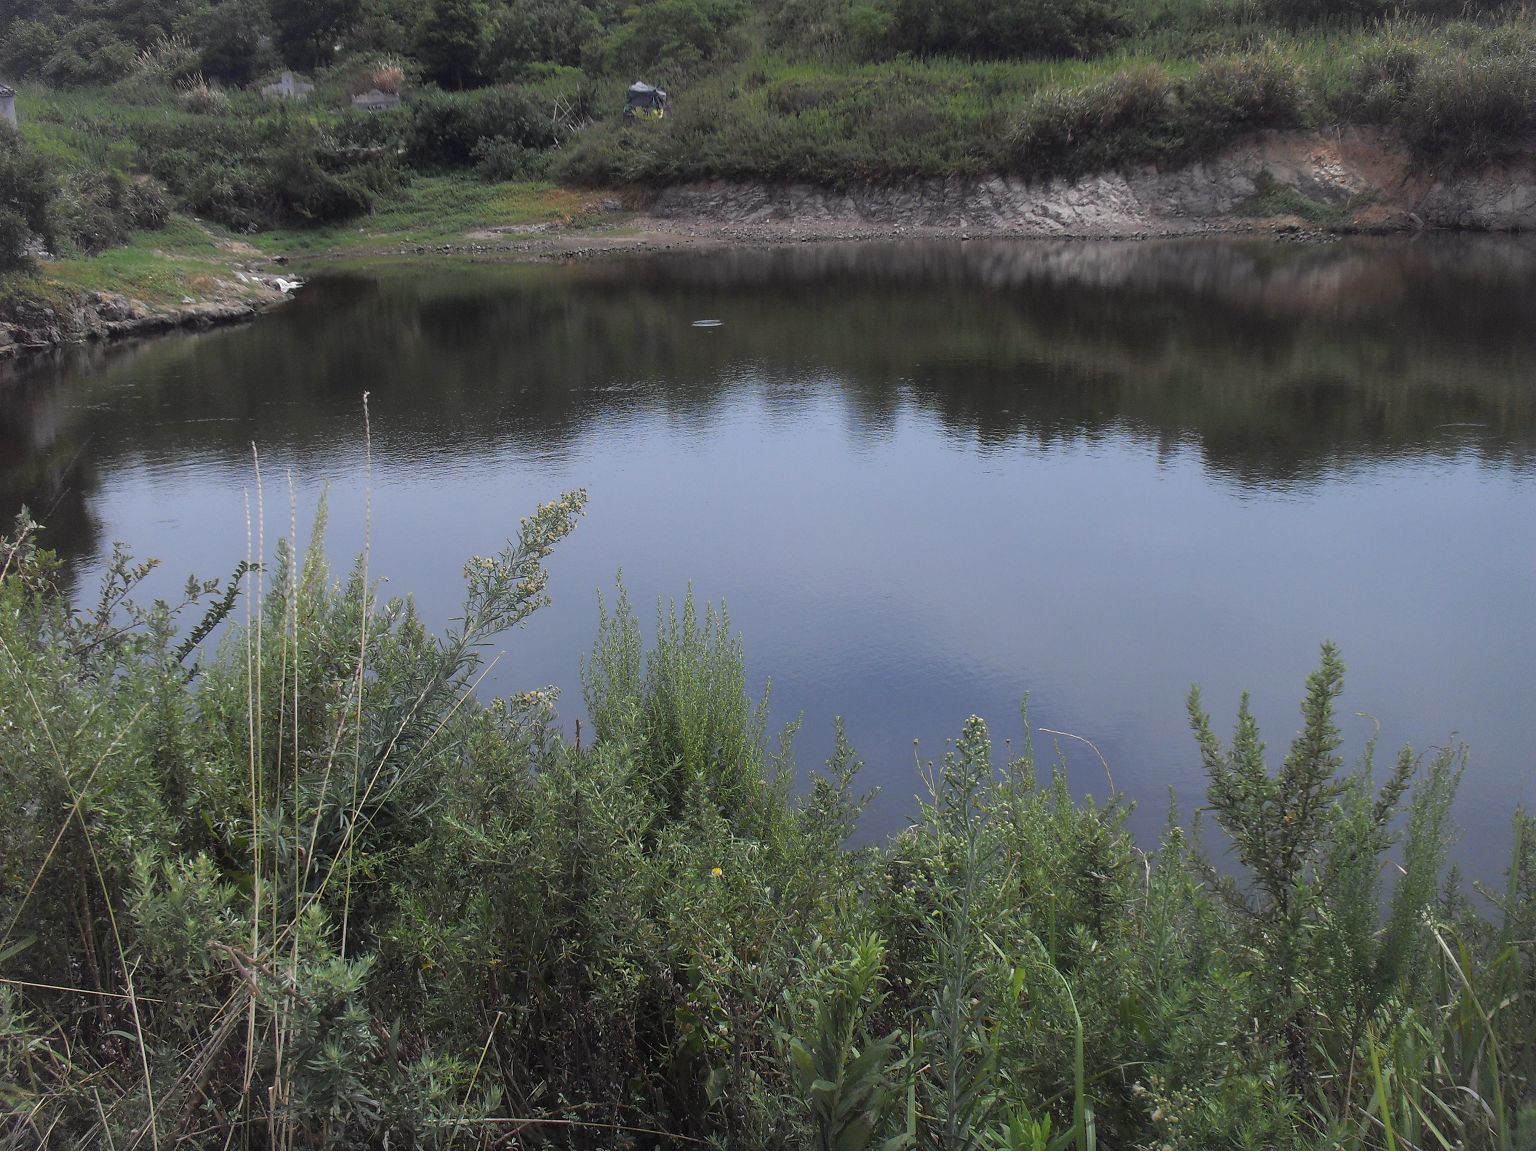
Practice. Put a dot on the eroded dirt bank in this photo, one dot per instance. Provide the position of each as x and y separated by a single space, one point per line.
1354 176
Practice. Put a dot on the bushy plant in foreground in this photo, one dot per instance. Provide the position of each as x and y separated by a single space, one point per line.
309 890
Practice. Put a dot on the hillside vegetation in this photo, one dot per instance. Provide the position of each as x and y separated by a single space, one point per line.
132 109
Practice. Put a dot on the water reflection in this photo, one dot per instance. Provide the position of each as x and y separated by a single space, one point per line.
932 478
1280 362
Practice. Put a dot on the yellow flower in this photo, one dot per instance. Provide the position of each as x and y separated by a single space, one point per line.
717 872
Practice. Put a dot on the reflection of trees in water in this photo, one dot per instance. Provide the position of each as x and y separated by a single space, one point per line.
45 462
1281 362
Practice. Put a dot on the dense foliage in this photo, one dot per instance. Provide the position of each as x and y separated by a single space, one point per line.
308 890
146 105
86 209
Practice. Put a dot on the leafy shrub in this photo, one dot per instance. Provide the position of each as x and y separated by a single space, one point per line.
498 158
1229 96
252 169
26 194
1471 108
361 907
1379 77
97 209
302 188
1142 116
860 29
15 240
536 31
604 156
1460 95
445 129
671 39
1130 118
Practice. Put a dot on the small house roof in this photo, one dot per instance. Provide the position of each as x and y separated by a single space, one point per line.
640 88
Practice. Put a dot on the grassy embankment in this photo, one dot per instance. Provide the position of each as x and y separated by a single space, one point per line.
1180 82
215 214
306 889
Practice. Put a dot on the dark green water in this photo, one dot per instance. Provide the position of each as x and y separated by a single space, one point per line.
929 479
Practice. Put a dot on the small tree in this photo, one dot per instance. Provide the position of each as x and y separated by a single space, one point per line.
451 40
307 29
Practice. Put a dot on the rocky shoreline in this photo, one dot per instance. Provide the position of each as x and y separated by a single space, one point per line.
28 324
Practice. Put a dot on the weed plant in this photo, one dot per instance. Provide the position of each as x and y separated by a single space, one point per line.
306 889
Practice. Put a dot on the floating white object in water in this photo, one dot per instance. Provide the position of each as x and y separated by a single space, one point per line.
706 323
286 286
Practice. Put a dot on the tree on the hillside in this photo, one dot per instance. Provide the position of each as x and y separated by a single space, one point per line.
678 36
451 40
307 30
559 31
142 22
387 27
230 36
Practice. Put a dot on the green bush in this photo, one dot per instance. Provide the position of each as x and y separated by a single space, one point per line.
98 209
1130 118
842 29
310 891
15 240
1142 115
1468 109
254 168
671 39
1380 74
445 129
539 31
27 189
1230 96
1460 95
501 159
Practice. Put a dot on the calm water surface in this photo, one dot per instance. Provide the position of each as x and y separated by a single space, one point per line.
929 480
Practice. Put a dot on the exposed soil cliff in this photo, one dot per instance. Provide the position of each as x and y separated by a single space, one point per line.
1360 179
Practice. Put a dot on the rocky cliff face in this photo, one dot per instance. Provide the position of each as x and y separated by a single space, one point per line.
1355 170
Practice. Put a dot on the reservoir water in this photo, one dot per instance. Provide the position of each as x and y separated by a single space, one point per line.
929 480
